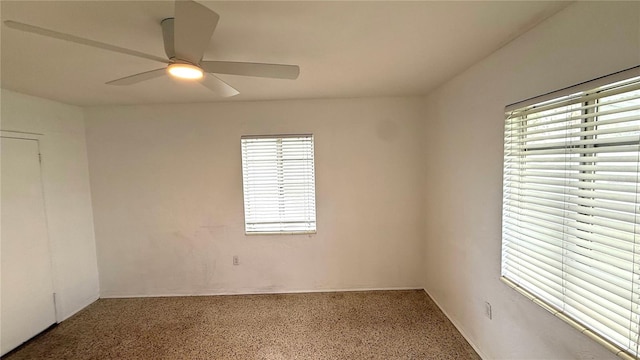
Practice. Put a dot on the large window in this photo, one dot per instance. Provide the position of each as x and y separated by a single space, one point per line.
571 206
279 184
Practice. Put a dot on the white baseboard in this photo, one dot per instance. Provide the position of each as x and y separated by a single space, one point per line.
252 292
459 327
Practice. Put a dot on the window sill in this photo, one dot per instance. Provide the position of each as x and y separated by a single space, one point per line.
280 233
614 348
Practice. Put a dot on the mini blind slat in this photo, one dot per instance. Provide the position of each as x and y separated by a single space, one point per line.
577 176
615 238
602 158
560 133
607 287
571 167
571 211
533 189
624 188
613 315
557 219
544 251
547 264
563 143
538 272
598 316
625 204
578 221
557 207
279 184
619 221
570 114
570 127
616 285
528 280
578 150
584 256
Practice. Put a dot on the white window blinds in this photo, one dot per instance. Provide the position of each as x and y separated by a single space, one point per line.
279 184
571 211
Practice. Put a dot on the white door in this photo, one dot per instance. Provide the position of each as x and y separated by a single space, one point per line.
26 297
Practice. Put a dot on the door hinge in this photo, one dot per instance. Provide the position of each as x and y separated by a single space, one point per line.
40 158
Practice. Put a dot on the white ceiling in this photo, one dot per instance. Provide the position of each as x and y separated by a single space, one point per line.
344 49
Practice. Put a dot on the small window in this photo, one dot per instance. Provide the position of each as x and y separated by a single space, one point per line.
571 206
279 184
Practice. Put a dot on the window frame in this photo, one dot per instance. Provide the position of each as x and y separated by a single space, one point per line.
279 137
586 91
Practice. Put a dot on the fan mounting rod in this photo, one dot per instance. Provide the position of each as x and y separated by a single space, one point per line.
167 36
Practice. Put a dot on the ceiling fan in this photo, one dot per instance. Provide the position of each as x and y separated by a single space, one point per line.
186 37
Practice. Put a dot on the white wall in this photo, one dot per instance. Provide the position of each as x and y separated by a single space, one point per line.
463 155
65 179
166 183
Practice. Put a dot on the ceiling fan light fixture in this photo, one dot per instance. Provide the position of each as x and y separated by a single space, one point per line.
185 71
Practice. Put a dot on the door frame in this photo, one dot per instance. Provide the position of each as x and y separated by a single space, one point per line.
37 137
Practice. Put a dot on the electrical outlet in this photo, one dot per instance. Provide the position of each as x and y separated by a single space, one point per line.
487 309
236 260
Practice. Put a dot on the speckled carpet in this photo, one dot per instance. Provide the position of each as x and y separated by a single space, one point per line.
343 325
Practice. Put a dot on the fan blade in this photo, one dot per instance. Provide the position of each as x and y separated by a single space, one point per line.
133 79
218 86
193 26
277 71
72 38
